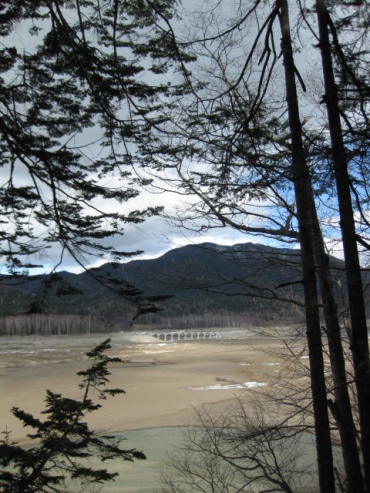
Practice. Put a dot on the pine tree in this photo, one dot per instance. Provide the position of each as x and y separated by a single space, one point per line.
64 439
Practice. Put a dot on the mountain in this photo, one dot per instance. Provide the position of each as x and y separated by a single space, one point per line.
202 280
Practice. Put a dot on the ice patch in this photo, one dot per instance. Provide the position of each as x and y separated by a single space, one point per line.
30 351
17 351
250 385
236 386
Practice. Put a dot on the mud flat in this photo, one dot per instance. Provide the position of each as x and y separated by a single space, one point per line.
163 381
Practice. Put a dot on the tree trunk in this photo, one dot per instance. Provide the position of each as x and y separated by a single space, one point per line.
359 342
341 408
301 179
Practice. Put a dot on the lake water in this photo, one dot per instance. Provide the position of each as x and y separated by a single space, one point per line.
144 475
157 443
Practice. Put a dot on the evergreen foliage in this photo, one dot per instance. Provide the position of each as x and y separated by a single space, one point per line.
81 83
64 439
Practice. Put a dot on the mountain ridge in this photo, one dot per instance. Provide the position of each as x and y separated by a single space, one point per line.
204 278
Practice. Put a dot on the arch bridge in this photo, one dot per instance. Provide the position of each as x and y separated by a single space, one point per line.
186 335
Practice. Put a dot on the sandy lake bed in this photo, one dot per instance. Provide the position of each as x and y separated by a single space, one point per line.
164 381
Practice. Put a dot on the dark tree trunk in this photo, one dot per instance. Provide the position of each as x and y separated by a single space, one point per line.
302 184
341 408
359 342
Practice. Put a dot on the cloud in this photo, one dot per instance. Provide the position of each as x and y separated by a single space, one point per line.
154 237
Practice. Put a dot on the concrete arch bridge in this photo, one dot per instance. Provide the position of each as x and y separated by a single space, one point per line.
186 335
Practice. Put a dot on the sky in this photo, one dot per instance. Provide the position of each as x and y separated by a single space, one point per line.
155 236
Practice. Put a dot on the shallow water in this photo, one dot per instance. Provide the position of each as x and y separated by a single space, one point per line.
158 443
143 475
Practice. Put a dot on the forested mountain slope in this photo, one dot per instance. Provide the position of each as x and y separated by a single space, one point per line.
208 284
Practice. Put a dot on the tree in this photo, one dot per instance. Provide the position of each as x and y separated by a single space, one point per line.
231 134
232 128
359 339
242 449
264 441
76 106
64 440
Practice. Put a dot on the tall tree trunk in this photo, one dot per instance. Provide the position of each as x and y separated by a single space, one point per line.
359 342
301 181
341 408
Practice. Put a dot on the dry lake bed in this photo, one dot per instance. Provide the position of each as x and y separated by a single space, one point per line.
164 382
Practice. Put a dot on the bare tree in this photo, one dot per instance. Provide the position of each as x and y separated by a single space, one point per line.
265 440
243 448
255 162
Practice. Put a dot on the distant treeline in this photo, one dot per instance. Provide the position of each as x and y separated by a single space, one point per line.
19 325
68 324
218 319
